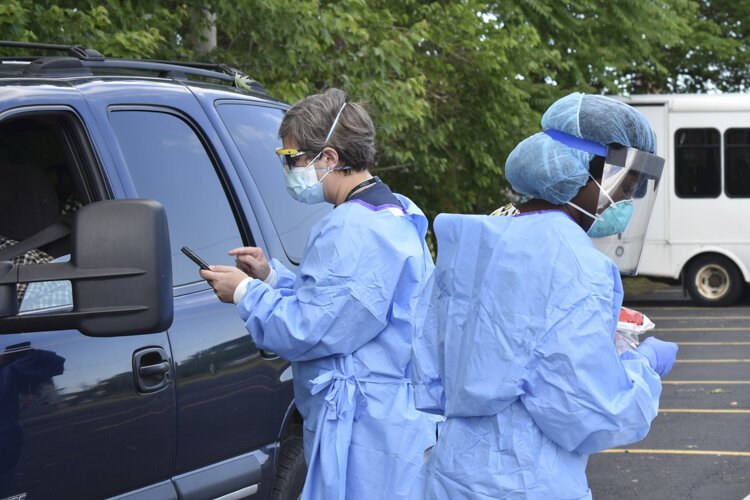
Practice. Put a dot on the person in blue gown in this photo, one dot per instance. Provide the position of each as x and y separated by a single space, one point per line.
517 348
347 321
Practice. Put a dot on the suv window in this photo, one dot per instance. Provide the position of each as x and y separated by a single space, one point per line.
41 155
254 130
168 162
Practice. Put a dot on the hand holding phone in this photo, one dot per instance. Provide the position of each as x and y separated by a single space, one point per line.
192 256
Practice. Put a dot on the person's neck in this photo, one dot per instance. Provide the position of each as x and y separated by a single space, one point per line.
349 182
536 205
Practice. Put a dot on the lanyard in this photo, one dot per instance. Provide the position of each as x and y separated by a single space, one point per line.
362 184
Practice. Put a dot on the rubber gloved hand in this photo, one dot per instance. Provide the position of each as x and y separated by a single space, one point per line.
661 355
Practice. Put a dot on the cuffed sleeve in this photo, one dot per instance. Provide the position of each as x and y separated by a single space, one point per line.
241 289
284 278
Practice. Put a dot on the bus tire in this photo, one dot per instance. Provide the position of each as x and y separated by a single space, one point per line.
714 281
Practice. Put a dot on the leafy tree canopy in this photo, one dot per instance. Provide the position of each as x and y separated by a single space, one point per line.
452 85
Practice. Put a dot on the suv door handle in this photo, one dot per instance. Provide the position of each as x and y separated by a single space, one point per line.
154 370
151 369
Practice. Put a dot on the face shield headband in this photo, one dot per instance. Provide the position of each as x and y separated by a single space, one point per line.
628 189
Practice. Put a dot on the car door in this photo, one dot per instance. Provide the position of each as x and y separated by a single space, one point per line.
231 398
74 421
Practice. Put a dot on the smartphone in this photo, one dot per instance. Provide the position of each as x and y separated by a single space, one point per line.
192 256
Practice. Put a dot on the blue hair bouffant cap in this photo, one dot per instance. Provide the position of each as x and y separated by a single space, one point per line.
544 168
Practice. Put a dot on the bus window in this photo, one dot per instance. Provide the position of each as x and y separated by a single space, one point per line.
737 162
697 163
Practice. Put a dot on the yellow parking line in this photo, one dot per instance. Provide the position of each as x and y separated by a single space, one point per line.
681 452
713 361
686 410
712 343
705 382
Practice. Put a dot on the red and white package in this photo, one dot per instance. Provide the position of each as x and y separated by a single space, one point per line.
630 325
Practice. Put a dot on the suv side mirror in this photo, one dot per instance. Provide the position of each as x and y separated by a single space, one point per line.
121 273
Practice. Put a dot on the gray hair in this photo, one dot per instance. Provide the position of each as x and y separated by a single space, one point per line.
309 120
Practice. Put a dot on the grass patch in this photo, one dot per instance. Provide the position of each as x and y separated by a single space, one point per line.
634 285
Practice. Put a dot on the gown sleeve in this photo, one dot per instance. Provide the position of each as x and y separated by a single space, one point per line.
580 392
284 277
338 304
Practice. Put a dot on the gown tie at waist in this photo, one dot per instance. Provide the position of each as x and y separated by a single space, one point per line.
344 400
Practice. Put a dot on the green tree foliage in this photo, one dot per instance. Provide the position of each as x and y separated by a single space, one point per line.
116 29
713 53
452 85
606 46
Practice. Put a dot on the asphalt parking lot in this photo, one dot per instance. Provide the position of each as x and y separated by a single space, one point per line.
699 444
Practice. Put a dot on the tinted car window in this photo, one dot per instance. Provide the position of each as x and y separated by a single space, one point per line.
697 163
169 163
255 131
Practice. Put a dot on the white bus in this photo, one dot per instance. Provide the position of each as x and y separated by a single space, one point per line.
699 233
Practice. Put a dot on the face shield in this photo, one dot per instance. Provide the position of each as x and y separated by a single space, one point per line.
628 189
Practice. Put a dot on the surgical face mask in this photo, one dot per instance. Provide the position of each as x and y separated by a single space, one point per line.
303 185
613 220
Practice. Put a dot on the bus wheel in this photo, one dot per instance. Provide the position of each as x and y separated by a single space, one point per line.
713 280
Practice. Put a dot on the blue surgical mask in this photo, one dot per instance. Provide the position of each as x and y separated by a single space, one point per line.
303 185
613 220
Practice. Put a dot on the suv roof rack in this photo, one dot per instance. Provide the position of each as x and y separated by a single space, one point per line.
56 66
80 59
77 51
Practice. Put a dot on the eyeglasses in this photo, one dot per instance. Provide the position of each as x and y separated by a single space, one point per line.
289 156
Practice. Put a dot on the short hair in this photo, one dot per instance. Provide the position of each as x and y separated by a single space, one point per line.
308 122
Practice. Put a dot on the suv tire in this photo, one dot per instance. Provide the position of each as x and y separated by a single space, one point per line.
292 470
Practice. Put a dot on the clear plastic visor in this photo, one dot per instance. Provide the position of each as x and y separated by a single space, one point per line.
632 177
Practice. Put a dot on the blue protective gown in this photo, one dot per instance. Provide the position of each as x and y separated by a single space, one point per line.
346 324
517 352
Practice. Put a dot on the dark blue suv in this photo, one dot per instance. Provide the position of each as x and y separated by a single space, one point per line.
121 374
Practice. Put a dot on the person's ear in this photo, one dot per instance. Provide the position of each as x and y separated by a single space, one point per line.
330 157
